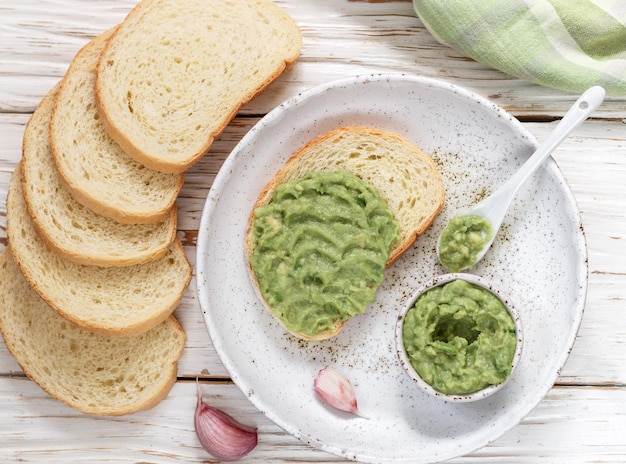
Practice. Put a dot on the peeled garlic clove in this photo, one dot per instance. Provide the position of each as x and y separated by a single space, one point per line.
221 435
336 390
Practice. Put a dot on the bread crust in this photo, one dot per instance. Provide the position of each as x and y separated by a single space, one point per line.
304 161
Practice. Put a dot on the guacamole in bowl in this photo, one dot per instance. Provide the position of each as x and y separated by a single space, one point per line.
458 338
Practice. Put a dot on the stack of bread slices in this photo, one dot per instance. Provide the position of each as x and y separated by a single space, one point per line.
93 269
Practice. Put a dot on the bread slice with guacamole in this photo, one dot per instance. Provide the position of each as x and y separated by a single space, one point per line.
343 208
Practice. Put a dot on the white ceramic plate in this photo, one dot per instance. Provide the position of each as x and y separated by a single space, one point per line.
538 259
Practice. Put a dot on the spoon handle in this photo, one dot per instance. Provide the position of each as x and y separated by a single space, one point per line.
586 104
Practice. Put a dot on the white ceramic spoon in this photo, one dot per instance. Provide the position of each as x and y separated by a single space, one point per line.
494 207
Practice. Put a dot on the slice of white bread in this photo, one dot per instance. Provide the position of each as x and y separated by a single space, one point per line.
97 172
403 175
175 73
90 372
116 301
70 229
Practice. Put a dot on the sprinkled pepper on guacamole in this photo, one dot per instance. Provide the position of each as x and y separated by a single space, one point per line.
460 338
320 248
461 241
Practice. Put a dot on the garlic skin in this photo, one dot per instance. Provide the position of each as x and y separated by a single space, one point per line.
221 435
336 390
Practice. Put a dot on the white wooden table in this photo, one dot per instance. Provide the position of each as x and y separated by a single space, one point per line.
583 417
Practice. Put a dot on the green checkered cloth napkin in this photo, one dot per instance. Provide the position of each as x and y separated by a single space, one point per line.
564 44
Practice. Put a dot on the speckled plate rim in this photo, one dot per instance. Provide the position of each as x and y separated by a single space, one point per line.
280 114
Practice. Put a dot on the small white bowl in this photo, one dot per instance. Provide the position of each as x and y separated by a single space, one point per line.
406 364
